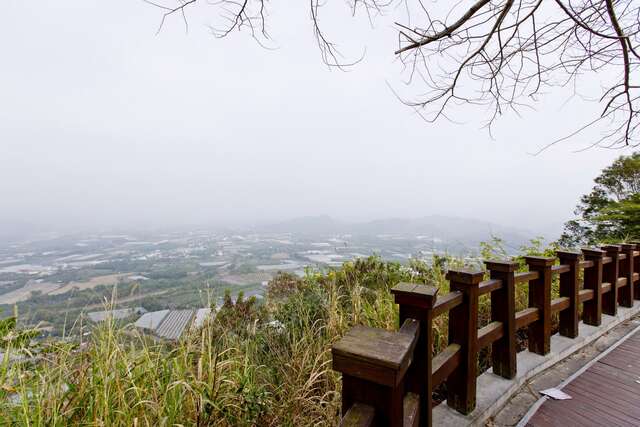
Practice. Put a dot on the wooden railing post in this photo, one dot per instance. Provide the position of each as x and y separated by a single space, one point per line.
503 309
374 363
610 275
463 330
569 287
626 270
416 302
592 309
636 270
540 297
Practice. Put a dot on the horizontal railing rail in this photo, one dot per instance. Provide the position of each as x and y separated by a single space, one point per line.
388 377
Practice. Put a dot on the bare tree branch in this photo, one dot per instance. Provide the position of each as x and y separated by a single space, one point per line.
498 54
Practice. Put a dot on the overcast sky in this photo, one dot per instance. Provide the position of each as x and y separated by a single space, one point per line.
103 123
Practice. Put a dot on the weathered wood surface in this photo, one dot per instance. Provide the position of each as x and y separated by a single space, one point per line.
570 289
359 415
526 317
501 332
416 302
445 362
411 410
540 298
592 309
606 394
463 327
375 354
376 346
447 302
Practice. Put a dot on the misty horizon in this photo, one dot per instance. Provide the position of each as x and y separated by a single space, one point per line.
106 129
312 225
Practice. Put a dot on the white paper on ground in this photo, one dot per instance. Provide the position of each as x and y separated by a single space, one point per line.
556 394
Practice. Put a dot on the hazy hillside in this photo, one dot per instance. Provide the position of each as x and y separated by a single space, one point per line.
450 229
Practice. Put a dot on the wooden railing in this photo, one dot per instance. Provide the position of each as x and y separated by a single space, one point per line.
388 377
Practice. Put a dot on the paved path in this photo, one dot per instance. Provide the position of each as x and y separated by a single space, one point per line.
606 394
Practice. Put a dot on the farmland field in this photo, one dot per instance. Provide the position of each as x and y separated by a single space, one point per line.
24 293
107 279
49 288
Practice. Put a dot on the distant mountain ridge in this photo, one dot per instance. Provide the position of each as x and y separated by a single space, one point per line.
434 226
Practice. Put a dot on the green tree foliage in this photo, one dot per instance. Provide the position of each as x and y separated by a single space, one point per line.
611 210
624 215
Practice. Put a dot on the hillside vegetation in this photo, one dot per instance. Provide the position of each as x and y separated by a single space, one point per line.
252 364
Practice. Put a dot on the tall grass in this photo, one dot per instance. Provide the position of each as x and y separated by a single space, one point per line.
249 365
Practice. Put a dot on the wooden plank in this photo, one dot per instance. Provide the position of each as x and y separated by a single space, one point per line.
411 410
606 394
387 401
376 346
573 415
586 264
539 334
586 409
447 302
490 333
618 374
608 408
490 285
636 271
569 288
526 317
359 415
585 295
559 304
614 375
626 296
610 391
463 326
415 294
363 370
562 268
610 274
597 377
623 360
501 333
526 276
419 379
592 309
376 355
444 363
610 387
